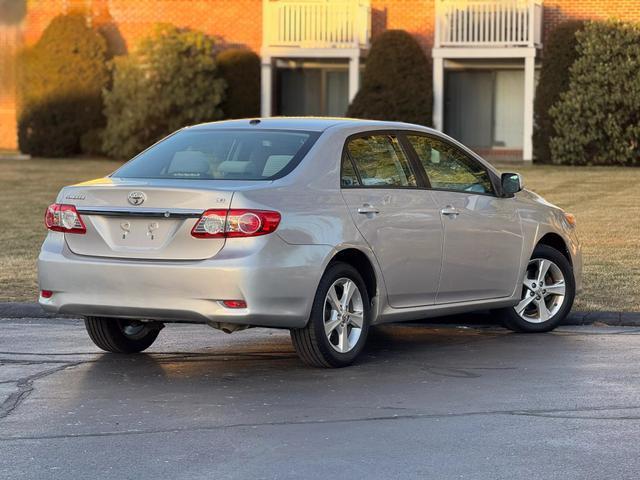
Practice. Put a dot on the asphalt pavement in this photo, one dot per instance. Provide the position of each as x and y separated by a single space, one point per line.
424 402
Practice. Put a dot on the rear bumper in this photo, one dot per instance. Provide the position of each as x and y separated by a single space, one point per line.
277 280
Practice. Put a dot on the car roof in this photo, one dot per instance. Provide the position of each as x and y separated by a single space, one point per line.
314 124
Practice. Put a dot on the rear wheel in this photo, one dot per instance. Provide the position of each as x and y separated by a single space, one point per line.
548 290
339 321
120 335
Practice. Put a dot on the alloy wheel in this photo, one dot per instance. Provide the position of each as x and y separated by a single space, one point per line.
543 291
343 315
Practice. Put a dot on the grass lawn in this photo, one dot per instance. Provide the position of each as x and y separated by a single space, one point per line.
605 201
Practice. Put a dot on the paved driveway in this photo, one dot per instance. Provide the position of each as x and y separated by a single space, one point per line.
423 403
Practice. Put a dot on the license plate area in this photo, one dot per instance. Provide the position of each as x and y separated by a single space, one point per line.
140 232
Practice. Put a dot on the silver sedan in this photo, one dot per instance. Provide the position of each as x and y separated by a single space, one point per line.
321 226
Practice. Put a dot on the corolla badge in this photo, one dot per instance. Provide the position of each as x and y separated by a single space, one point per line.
136 198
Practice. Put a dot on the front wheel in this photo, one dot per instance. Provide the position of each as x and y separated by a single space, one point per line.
548 290
121 336
337 328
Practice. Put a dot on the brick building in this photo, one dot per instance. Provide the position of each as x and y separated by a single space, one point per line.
485 52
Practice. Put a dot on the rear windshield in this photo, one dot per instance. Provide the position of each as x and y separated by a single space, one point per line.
221 154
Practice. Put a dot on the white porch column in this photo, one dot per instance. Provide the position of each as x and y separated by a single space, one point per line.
529 91
438 92
354 76
266 86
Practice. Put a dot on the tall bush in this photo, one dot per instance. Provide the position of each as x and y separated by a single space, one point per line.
397 82
559 54
597 119
172 80
241 70
60 88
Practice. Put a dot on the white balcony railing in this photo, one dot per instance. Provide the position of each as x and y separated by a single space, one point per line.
317 23
488 23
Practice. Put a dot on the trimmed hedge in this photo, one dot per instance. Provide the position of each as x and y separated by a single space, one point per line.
171 81
397 82
597 119
241 70
559 54
60 88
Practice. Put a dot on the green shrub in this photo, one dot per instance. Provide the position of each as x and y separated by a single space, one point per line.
597 119
171 81
241 70
91 142
559 54
397 83
60 88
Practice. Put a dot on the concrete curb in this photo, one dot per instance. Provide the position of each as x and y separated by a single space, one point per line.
629 319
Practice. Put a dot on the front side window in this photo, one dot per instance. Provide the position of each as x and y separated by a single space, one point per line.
448 168
221 155
380 161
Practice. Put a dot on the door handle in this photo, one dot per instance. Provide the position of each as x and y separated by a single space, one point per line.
366 209
450 211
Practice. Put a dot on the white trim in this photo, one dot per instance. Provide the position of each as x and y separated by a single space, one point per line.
529 92
354 76
266 86
480 52
296 52
438 93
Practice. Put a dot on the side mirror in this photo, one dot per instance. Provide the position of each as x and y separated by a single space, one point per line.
511 183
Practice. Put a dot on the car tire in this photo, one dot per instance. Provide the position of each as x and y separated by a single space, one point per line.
121 336
545 305
339 322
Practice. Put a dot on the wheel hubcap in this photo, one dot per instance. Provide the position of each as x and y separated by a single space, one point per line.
343 315
543 291
134 329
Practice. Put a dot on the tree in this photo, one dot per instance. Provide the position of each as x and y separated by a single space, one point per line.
171 81
60 88
241 70
396 84
559 54
597 119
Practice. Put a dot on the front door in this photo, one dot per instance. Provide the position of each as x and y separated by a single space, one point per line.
468 115
483 238
400 222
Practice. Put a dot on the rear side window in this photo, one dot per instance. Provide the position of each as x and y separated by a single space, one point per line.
221 154
349 177
380 161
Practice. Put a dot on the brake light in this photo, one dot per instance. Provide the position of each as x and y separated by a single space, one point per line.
235 223
234 303
64 218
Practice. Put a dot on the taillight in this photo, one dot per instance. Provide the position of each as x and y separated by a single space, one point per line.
64 218
235 223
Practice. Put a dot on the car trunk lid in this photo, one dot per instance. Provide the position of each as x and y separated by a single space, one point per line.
146 219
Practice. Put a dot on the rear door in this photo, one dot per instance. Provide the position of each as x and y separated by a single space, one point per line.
482 232
398 219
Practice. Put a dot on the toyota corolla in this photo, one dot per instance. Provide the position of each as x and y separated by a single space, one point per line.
325 227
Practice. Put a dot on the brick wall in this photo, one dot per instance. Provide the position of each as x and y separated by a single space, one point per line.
415 16
236 22
556 11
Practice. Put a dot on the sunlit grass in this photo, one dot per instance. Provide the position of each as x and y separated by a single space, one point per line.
605 200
